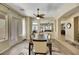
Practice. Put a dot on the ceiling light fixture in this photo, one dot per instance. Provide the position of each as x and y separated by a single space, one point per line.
38 15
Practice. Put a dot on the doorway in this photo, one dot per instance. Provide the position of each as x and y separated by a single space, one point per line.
63 30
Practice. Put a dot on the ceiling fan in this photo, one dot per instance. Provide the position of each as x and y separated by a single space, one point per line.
38 15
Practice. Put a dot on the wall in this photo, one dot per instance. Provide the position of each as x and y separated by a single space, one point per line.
9 13
13 15
70 32
28 22
59 14
65 8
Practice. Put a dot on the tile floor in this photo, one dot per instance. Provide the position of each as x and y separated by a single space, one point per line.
22 49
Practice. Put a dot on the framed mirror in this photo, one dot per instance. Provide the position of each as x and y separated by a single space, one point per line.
69 25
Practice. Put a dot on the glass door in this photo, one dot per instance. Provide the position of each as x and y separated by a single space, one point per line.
14 34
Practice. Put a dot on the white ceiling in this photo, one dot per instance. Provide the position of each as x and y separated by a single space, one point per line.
49 9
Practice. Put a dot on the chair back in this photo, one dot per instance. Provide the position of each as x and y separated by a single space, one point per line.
40 46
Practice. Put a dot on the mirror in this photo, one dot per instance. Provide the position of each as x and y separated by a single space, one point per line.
69 25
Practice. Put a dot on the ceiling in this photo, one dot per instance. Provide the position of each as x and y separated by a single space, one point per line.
28 9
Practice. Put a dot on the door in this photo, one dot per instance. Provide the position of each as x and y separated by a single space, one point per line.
14 34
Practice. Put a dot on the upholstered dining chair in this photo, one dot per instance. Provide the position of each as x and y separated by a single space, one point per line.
41 47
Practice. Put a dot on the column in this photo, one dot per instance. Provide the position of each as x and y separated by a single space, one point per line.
58 29
28 27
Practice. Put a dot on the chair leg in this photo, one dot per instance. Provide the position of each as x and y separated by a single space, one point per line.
50 48
30 48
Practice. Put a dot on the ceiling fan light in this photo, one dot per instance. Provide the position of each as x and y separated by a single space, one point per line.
37 17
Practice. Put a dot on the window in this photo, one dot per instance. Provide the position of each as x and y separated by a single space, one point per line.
46 27
3 28
16 29
34 27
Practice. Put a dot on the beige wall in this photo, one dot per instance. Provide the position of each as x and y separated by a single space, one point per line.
70 32
60 13
28 22
9 13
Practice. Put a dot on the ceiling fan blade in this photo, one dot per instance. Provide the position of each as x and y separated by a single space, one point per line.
34 15
42 14
41 17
